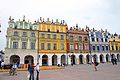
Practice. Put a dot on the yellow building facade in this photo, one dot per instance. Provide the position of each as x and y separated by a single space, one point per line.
115 46
52 42
52 37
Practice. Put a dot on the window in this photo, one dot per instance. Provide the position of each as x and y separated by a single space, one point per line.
76 46
15 45
71 46
55 46
98 48
85 38
32 45
15 33
62 37
80 46
42 35
42 46
80 38
57 31
106 48
97 39
48 30
86 47
112 47
24 34
54 36
62 46
93 39
93 48
71 37
48 45
105 40
102 39
103 48
116 47
92 35
24 45
32 34
48 36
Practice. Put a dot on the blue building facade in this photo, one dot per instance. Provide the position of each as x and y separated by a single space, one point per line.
99 45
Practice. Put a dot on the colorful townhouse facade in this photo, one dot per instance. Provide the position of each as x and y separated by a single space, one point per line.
52 42
78 48
21 42
115 46
99 45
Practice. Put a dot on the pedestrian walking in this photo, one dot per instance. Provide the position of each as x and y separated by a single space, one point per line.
37 70
11 70
115 60
14 69
31 71
95 64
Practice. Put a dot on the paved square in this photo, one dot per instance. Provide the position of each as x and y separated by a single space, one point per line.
106 71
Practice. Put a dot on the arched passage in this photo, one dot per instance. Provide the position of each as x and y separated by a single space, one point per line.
88 59
107 58
81 59
101 58
54 60
112 56
44 60
28 59
63 59
73 59
14 59
118 57
95 58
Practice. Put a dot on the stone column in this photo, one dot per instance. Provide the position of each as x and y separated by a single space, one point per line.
35 58
49 60
84 59
104 59
69 59
40 60
9 42
77 59
59 59
22 59
28 44
19 44
98 58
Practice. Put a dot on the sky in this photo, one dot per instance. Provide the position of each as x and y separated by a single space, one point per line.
99 14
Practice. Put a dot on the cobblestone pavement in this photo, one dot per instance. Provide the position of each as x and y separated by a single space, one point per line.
106 71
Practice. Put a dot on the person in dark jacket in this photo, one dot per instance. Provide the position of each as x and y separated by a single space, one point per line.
95 64
115 60
31 71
